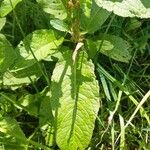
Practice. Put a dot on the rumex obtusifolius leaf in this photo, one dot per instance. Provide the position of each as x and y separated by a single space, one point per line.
74 98
127 8
54 7
6 6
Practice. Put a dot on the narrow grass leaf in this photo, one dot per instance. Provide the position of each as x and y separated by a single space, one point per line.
146 97
124 89
105 87
122 133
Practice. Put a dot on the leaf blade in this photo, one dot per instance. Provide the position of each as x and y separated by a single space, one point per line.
127 8
92 17
7 54
7 6
75 112
54 7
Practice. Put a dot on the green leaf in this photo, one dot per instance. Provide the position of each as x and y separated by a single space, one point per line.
12 81
16 78
93 47
133 24
11 134
6 6
42 43
2 22
113 47
60 25
7 54
30 69
54 7
127 8
38 106
31 103
45 112
75 100
92 16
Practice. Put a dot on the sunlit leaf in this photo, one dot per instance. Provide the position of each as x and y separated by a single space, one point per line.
92 16
11 135
75 111
60 25
54 7
11 81
2 22
127 8
6 6
41 42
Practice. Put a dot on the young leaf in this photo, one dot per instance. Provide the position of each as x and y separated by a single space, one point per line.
92 16
6 6
127 8
2 22
75 100
54 7
13 137
60 25
7 54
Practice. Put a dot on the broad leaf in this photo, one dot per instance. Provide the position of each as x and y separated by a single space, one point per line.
93 47
11 135
127 8
92 16
20 76
113 47
41 42
60 25
7 6
75 99
12 81
7 54
54 7
2 22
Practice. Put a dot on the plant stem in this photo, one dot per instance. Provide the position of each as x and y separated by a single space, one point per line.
74 13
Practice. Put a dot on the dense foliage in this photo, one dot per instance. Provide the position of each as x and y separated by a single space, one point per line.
74 74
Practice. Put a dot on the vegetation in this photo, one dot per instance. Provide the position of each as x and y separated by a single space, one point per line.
74 75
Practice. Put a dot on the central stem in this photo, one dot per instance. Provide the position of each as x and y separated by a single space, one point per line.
74 8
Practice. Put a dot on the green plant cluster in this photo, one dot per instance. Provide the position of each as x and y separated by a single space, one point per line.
74 74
